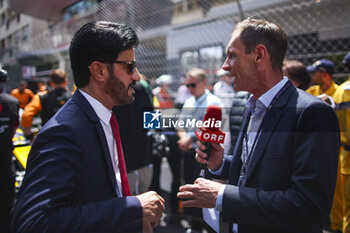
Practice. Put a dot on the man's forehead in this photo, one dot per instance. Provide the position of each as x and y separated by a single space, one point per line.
191 78
234 42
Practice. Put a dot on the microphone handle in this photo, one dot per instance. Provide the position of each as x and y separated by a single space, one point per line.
208 150
205 167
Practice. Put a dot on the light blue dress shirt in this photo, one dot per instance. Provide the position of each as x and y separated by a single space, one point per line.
195 109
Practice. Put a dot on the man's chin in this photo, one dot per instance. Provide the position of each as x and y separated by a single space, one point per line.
127 100
130 99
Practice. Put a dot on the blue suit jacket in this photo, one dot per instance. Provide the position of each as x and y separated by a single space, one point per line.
291 178
69 184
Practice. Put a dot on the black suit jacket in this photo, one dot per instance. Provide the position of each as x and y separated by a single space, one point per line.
291 178
70 185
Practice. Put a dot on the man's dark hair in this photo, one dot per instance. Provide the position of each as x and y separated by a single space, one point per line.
42 80
98 41
255 31
3 79
23 83
58 76
295 70
3 76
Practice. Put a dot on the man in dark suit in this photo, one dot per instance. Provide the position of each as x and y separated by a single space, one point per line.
75 178
9 107
282 174
136 143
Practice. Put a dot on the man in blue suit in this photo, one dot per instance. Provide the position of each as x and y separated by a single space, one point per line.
282 174
74 179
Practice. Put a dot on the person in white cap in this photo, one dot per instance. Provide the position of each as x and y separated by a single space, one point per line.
224 90
162 98
225 85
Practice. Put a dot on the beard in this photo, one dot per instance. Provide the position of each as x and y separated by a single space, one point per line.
117 90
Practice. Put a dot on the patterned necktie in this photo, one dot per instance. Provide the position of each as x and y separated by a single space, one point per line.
122 170
252 130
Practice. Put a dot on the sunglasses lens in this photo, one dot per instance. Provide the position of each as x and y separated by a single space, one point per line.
132 67
130 64
193 85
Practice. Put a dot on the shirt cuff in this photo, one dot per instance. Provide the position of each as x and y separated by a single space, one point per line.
218 205
218 171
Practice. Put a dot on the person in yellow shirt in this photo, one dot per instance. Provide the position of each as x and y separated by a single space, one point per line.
342 100
321 75
23 94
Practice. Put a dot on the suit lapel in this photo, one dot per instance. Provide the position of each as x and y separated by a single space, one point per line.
107 155
268 129
87 108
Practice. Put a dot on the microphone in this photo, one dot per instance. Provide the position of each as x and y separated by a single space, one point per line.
210 131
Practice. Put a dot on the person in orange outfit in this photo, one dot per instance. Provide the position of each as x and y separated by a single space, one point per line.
162 98
47 103
42 88
23 94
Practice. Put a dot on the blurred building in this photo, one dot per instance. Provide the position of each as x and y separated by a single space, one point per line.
149 18
177 35
201 30
16 33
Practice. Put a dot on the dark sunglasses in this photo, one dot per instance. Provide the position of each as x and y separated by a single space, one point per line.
193 85
131 65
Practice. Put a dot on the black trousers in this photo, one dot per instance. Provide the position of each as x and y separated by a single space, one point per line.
7 190
191 173
174 160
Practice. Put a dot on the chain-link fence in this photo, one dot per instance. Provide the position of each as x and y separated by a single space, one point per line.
176 36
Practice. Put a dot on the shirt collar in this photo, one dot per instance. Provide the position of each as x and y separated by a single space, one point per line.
265 100
331 90
199 99
103 113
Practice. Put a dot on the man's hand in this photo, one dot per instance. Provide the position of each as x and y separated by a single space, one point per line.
203 193
152 209
216 155
185 143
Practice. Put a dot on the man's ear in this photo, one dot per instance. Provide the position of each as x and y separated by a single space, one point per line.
98 70
260 53
326 75
296 83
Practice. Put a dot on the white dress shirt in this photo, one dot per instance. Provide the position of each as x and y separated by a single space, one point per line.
104 114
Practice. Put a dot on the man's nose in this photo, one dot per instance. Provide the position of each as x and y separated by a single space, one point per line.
226 66
136 76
